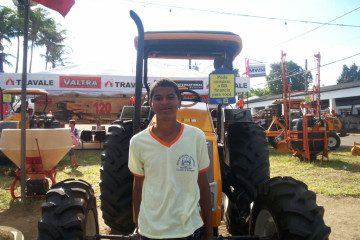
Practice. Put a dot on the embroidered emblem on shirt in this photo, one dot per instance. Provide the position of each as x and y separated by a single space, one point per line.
185 163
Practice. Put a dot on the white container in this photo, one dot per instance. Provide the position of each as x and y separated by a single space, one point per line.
53 145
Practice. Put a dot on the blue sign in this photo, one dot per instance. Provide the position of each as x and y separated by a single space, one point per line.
257 70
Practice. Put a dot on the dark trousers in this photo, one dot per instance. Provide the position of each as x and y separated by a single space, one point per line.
195 236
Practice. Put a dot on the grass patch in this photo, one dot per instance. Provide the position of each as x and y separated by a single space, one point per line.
338 177
88 170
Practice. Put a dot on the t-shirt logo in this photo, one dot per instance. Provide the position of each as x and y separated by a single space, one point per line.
185 163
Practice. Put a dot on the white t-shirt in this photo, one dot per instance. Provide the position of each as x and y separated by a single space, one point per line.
170 194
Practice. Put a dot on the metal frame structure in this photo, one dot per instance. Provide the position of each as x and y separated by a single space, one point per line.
309 109
34 168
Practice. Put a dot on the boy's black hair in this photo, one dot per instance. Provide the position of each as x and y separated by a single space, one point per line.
164 82
72 122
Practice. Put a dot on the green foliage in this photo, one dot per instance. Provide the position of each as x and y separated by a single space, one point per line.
294 74
6 32
52 39
351 74
339 176
88 170
259 92
43 32
5 26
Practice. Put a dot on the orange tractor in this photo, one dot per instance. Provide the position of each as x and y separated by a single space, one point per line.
253 205
275 129
308 135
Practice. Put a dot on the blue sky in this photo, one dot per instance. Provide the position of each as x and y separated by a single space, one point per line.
102 30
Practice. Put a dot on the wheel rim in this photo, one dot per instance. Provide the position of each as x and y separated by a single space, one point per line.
331 142
224 205
90 226
265 225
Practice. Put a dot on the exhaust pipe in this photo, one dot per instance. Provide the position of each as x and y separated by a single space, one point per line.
139 71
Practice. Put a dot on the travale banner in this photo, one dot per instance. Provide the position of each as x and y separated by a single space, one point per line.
106 85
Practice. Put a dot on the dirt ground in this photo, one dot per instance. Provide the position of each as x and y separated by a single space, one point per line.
341 214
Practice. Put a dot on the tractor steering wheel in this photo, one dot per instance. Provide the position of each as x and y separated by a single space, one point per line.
197 97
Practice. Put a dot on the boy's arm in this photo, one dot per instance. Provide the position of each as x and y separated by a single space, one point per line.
137 191
205 205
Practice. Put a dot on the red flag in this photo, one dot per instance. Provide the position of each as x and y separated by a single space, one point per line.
61 6
247 68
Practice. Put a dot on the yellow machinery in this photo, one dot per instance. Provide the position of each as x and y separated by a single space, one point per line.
239 177
333 123
68 110
15 115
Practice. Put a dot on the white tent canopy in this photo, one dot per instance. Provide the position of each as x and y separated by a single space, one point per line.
95 79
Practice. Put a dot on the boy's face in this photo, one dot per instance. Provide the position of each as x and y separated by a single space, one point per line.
164 102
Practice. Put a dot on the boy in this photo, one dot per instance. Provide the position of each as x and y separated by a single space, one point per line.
169 161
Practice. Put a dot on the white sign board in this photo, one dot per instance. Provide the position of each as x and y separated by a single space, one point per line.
107 85
257 70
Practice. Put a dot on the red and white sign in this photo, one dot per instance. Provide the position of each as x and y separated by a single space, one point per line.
79 82
10 82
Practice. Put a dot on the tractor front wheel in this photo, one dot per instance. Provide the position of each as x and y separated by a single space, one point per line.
69 212
286 209
333 141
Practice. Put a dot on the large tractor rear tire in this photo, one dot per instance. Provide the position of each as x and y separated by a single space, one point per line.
116 179
249 169
286 209
69 212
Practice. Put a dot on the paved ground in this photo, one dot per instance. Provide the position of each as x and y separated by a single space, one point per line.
349 140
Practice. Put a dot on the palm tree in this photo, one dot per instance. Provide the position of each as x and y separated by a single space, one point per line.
43 31
56 55
18 25
6 32
51 38
37 20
